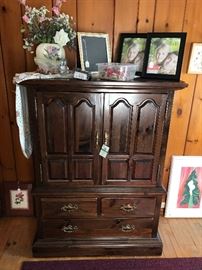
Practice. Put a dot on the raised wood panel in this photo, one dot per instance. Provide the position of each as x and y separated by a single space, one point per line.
69 149
56 115
146 127
7 161
125 20
194 137
135 131
14 62
84 115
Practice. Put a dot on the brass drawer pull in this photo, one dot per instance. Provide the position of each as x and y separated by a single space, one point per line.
128 228
128 207
69 207
69 229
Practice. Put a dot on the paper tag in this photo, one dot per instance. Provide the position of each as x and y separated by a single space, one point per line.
104 151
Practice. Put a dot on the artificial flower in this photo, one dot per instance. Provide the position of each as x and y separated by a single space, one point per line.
61 38
41 28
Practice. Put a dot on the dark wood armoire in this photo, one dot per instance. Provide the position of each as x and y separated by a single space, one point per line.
88 205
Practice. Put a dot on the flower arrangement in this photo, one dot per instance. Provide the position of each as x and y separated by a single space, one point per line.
41 28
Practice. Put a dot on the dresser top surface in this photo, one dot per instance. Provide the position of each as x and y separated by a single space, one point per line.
100 84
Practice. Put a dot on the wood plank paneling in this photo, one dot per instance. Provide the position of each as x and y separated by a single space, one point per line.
14 61
95 16
70 8
169 15
183 99
146 16
113 17
165 21
194 137
192 24
125 20
7 161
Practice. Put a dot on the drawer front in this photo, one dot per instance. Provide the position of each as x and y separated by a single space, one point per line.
128 207
138 228
69 207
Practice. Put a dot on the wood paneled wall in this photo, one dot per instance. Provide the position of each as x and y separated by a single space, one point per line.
112 17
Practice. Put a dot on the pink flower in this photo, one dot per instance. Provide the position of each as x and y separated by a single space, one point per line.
25 18
23 2
58 3
41 19
56 10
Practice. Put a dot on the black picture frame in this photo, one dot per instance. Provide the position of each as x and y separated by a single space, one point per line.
136 41
94 48
164 55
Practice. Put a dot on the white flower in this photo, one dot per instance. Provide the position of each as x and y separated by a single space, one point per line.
61 38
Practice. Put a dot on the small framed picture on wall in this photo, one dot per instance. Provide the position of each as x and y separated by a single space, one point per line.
18 199
195 62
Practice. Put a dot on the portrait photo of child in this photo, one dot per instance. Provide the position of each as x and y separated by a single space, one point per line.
163 57
132 49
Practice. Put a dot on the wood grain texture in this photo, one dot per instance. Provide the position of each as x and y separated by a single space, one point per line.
113 17
194 137
95 16
17 235
126 13
145 16
166 13
14 61
70 8
7 161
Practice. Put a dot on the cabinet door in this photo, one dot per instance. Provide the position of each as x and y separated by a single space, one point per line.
69 125
133 127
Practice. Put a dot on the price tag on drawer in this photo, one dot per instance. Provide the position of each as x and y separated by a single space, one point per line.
104 151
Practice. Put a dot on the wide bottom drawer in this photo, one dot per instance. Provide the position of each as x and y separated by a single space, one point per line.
140 227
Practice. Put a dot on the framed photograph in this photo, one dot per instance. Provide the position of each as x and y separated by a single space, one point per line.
18 199
94 48
184 197
132 49
164 55
195 62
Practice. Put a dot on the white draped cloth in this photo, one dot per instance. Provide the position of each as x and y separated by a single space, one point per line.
22 112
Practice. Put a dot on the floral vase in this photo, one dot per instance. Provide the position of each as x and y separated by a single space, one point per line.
48 57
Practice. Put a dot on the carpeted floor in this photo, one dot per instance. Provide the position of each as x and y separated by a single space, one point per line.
117 264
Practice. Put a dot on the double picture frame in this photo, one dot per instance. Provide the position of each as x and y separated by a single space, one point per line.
162 53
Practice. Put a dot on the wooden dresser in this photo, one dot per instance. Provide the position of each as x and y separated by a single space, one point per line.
88 205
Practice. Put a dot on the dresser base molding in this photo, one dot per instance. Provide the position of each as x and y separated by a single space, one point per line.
75 248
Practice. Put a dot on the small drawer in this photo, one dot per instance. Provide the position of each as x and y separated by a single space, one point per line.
128 207
84 228
69 207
